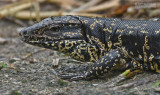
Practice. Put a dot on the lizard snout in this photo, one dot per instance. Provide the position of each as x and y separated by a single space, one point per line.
22 33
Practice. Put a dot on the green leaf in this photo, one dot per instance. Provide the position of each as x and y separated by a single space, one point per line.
62 82
156 84
15 92
3 65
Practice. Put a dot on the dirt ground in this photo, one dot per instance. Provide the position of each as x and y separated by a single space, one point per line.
37 75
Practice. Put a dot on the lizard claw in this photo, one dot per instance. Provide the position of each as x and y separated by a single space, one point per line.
72 76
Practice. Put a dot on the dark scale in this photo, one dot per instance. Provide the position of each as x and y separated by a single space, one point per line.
109 42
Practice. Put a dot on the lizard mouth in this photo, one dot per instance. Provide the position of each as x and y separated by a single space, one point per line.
41 36
52 38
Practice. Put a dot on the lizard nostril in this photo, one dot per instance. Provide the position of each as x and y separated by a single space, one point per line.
20 34
23 32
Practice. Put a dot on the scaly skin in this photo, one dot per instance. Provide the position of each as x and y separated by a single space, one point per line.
110 43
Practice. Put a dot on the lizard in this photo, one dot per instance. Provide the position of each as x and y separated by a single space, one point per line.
111 43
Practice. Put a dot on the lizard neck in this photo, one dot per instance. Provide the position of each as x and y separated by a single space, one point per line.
109 29
98 32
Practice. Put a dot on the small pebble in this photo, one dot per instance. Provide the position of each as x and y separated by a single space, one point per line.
3 41
14 59
157 89
94 84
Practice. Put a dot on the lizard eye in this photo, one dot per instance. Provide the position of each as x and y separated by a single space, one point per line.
52 31
55 29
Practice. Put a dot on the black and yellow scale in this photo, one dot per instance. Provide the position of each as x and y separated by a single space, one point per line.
110 43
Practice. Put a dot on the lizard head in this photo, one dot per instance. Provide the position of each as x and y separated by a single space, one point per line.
64 34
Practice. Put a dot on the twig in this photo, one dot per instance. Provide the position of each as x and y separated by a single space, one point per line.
27 14
70 2
113 82
87 5
30 54
8 0
137 83
15 7
37 10
17 21
104 6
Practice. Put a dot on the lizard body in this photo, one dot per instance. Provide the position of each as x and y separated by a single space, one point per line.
110 43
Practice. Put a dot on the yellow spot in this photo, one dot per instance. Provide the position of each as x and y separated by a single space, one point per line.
119 30
126 24
100 68
144 48
114 64
140 57
152 67
131 53
92 25
112 24
107 67
90 71
155 19
157 69
119 55
145 57
104 29
144 24
143 31
105 70
70 25
116 60
119 41
85 21
134 64
96 68
39 32
106 62
97 73
130 32
46 42
123 61
102 60
108 30
135 44
157 32
101 72
141 67
109 45
110 55
151 57
52 44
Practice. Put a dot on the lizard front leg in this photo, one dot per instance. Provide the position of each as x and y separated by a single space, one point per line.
109 61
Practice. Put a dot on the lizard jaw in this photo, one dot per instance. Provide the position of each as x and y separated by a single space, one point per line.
53 28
